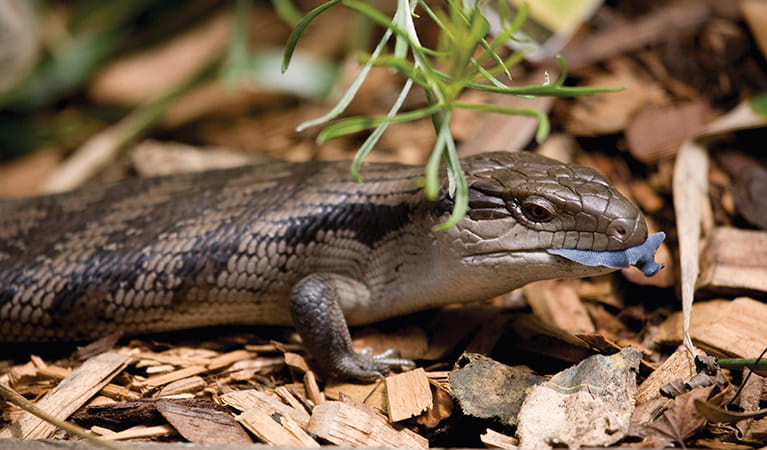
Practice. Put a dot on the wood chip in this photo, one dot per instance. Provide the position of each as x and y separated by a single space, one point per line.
494 439
557 302
738 332
648 412
249 399
755 13
345 424
657 132
678 365
98 346
246 369
143 76
183 386
723 328
372 395
297 362
141 432
111 390
274 348
734 260
122 415
703 313
203 424
312 389
486 338
275 429
174 358
73 391
214 364
166 378
23 176
289 397
408 394
612 112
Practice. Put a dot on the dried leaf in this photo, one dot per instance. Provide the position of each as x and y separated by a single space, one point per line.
680 421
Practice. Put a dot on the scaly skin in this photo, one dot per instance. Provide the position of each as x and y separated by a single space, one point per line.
285 243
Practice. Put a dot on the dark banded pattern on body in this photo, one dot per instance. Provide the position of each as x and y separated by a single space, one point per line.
187 250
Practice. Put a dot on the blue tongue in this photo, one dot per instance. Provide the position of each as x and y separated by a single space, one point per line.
642 256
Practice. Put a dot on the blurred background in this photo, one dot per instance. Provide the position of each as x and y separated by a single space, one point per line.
128 81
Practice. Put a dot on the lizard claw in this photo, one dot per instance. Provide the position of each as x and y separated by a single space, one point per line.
366 365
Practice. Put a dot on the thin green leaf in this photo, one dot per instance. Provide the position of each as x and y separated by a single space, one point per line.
288 11
376 16
543 120
372 140
511 61
495 57
550 90
431 14
445 147
431 175
487 75
523 12
436 120
431 171
290 46
401 18
536 90
371 13
403 66
356 124
562 71
461 190
352 91
741 363
461 202
502 38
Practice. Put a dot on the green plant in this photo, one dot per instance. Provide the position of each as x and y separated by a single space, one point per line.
443 73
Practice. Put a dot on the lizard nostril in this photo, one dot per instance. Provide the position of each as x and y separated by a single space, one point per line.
624 233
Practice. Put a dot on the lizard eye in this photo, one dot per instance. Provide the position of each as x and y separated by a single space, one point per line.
538 209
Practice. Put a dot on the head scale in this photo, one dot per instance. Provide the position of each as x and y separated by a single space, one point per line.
530 202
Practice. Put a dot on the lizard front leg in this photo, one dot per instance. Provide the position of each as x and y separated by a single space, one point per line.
315 305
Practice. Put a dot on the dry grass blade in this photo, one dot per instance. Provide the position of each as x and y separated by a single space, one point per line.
14 397
690 196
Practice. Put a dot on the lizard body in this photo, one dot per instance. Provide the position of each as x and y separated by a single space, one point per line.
302 244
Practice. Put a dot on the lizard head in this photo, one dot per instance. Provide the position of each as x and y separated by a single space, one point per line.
530 210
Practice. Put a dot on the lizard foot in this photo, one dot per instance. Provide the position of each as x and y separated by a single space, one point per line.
368 366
